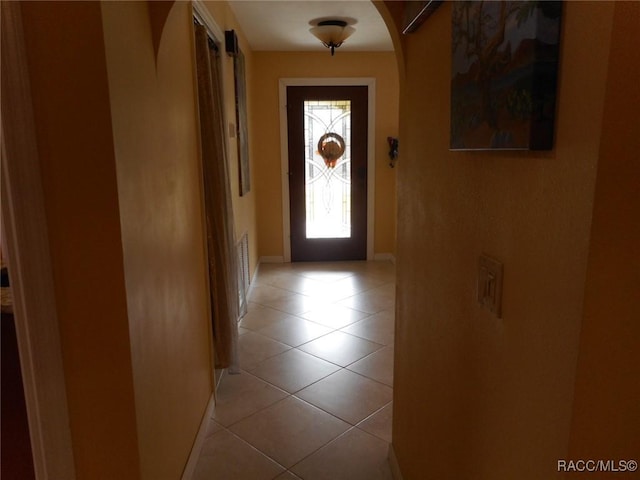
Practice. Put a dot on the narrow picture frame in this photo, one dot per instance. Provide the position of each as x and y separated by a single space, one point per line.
242 129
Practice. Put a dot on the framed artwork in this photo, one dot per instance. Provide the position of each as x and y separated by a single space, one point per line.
416 12
241 119
504 74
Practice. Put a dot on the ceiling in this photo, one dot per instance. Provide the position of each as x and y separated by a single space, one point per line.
283 25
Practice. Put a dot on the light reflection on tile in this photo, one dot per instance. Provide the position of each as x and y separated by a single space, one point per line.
295 331
318 340
294 303
262 293
340 348
260 316
378 328
296 283
334 316
372 301
327 275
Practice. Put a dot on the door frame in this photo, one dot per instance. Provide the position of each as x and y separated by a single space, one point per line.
202 14
24 233
369 82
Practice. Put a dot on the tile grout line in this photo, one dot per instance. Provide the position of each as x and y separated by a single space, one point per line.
336 302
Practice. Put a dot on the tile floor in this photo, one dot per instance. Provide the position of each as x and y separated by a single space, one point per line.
313 400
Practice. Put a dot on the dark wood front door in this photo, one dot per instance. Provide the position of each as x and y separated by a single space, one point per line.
327 131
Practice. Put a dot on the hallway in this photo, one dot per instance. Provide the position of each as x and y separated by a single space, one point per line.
314 398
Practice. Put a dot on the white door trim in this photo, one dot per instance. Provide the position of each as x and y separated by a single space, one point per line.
284 153
24 232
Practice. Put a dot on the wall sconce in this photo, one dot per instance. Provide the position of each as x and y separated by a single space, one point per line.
393 150
332 33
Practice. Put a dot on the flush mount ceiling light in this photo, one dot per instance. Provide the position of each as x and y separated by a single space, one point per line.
332 33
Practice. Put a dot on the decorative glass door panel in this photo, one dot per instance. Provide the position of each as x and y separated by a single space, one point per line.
327 146
327 186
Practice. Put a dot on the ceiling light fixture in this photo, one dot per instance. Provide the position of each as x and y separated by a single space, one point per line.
332 33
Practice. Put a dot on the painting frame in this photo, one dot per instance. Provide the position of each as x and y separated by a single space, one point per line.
242 129
504 72
416 12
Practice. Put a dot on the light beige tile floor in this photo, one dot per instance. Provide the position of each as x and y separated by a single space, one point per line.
314 397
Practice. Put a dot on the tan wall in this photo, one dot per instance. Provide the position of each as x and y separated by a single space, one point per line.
269 67
244 207
73 124
475 396
606 417
115 107
156 145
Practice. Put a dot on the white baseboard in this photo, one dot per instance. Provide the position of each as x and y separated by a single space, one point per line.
252 280
261 260
393 463
389 257
190 467
271 259
223 372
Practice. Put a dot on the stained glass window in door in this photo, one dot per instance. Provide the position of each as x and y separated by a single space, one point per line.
327 179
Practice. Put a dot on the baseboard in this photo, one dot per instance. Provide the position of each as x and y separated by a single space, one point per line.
393 463
389 257
190 467
261 260
252 281
222 372
272 259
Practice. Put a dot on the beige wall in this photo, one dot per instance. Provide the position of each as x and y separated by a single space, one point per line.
606 417
476 396
115 107
159 188
269 67
73 125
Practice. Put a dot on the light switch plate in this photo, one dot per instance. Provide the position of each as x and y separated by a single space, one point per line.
490 284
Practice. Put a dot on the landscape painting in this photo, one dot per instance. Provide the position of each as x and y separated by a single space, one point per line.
504 74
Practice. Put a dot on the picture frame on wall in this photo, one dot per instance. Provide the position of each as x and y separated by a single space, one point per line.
416 12
504 73
241 125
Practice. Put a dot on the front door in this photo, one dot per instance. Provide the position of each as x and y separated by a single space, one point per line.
327 131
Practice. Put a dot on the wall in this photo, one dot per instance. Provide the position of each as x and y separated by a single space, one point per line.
65 51
269 67
115 109
153 105
244 207
476 396
606 417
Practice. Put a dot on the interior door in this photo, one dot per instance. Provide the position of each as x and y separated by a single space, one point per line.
327 132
